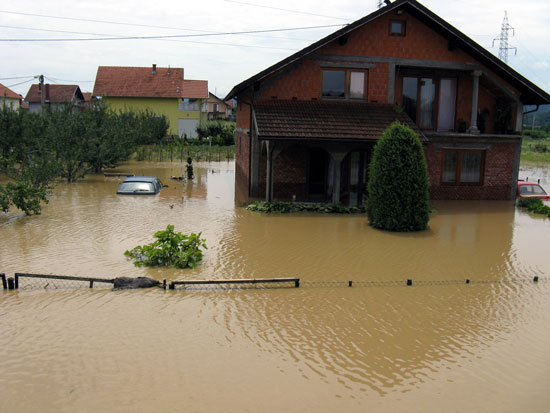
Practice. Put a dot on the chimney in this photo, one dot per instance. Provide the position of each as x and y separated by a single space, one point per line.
154 68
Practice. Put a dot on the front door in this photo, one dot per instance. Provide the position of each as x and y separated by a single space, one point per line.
317 173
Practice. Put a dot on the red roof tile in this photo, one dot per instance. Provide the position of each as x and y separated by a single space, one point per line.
123 81
289 119
7 92
54 93
87 96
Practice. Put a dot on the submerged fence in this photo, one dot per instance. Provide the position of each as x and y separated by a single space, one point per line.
171 153
25 281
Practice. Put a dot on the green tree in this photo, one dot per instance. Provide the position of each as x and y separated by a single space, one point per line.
398 182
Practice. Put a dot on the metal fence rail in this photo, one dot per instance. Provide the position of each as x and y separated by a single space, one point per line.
252 281
47 281
59 281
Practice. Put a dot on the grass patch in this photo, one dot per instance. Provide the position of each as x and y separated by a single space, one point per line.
535 150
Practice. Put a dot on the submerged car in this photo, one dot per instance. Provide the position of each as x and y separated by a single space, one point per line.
140 185
531 190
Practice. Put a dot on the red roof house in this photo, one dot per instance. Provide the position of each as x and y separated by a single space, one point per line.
9 98
306 126
55 96
161 90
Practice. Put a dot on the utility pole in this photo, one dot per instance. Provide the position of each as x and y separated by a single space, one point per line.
503 38
42 92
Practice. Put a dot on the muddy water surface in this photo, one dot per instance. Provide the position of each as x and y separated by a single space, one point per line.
440 346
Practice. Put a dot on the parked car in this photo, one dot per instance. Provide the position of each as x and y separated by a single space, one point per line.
140 185
531 190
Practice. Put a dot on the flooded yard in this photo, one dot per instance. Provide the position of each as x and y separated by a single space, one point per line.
438 345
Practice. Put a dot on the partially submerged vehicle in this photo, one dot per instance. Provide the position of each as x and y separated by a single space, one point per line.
531 190
140 185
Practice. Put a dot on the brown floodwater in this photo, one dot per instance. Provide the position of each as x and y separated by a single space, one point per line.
438 345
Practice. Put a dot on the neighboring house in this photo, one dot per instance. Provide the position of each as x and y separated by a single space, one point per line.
217 108
307 125
88 103
55 97
161 90
9 98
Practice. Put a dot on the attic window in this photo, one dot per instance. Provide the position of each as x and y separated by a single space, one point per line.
397 28
344 84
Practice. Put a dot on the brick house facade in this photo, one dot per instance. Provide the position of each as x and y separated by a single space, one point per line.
306 126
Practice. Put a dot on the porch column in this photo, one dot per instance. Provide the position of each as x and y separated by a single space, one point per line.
337 157
519 117
269 175
475 94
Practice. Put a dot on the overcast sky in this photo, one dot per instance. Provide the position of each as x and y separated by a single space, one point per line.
226 60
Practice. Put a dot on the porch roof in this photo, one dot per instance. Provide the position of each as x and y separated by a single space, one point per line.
320 120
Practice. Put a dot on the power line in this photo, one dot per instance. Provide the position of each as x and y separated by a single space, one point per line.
49 16
20 83
167 40
287 10
171 36
16 77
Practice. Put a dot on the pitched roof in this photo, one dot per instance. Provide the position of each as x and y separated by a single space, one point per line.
6 92
54 93
531 93
151 82
298 119
87 96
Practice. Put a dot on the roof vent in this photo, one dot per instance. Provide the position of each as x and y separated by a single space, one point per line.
154 68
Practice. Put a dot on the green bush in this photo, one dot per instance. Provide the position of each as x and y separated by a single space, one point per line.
534 205
170 249
288 207
398 182
221 133
527 202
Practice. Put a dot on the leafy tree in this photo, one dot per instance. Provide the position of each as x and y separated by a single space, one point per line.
398 183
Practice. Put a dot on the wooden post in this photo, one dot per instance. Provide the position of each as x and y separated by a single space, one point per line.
11 283
16 282
4 281
91 283
164 285
409 282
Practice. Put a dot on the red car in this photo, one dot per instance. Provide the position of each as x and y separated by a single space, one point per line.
531 190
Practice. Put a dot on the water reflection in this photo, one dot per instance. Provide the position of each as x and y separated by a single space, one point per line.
321 347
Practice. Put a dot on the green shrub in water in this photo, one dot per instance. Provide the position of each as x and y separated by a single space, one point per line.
398 183
289 207
170 249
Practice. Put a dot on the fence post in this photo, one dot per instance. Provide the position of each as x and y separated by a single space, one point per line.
4 281
11 283
16 281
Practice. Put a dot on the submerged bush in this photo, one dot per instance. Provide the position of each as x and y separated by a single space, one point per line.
398 182
170 249
288 207
534 205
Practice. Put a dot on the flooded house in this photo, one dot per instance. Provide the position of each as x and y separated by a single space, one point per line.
307 125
